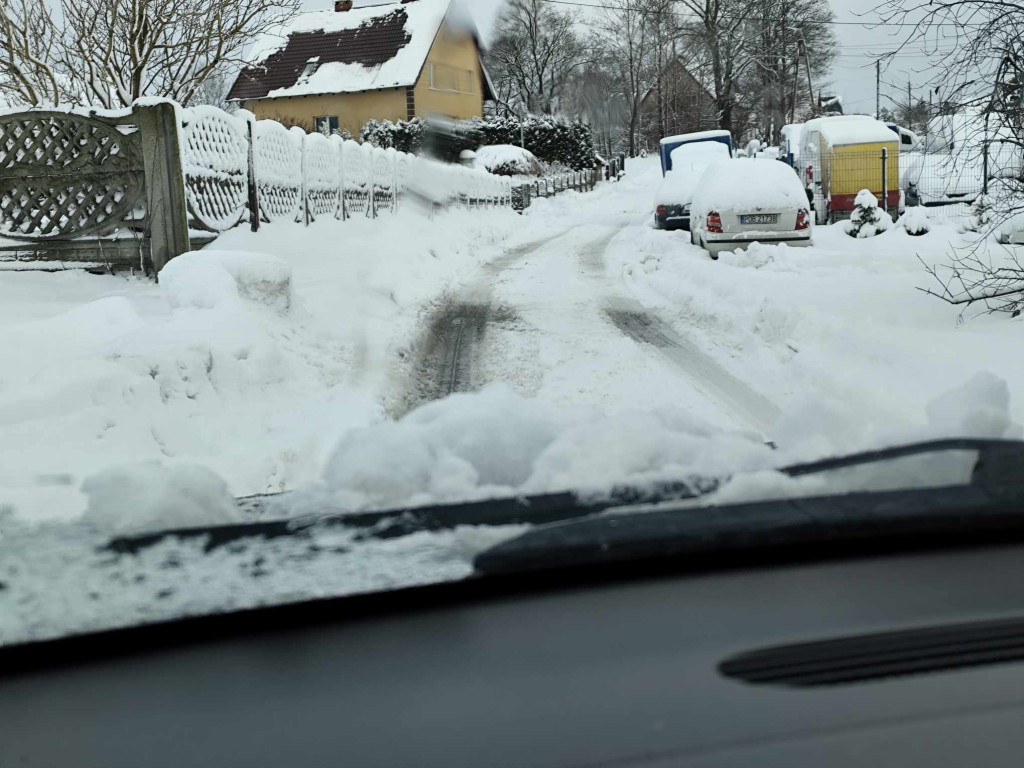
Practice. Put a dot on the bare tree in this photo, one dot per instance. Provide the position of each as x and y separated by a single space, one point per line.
124 49
111 52
536 50
28 40
979 87
627 38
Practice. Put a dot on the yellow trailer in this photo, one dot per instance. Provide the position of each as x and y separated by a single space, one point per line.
851 159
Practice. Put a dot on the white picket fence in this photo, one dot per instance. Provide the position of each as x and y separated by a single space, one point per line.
237 168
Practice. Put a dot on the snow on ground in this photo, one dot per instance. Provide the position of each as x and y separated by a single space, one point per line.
616 352
218 367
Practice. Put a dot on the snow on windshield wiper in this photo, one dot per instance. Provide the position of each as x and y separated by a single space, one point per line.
556 507
988 508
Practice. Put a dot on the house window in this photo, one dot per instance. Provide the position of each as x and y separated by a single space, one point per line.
451 79
326 124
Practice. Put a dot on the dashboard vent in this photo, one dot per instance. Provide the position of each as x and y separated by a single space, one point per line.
887 654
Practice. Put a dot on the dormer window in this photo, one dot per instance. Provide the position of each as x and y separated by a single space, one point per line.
310 68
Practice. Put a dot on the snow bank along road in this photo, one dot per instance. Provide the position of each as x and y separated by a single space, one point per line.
624 352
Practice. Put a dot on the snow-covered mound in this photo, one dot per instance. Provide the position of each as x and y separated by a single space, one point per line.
915 221
207 279
150 496
508 160
496 442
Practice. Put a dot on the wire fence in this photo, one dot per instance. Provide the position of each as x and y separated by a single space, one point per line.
946 183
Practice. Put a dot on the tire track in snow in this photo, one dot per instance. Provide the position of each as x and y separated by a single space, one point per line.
707 375
455 333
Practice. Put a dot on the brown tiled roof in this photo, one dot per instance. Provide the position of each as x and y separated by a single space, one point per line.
375 42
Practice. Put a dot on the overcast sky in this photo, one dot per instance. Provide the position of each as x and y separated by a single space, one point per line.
853 75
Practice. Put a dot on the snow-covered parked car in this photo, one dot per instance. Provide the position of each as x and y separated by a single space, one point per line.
738 202
675 193
508 160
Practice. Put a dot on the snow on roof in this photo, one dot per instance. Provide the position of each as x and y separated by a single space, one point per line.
698 154
857 132
695 136
748 184
363 49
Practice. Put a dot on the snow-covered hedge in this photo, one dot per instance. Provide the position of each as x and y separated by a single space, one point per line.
549 139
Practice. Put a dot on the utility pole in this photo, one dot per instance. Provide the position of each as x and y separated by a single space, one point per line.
807 61
910 107
878 88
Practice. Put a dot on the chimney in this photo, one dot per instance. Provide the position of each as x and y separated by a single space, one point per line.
340 6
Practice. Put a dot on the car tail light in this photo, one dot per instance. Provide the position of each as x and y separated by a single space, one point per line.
803 219
661 210
810 173
715 222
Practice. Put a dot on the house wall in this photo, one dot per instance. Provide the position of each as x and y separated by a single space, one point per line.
353 109
453 50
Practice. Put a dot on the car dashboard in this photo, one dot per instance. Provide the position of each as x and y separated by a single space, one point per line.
663 669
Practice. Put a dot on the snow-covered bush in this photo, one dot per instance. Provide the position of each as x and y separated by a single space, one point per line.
982 214
915 221
507 160
867 219
405 135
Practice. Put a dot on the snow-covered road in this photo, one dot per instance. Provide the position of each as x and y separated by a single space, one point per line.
580 345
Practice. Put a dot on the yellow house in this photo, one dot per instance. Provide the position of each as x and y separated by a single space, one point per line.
336 70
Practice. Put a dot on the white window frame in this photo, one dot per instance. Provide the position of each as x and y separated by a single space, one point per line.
328 118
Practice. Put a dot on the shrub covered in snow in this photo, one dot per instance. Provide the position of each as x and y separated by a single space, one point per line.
915 221
405 135
867 219
982 214
507 160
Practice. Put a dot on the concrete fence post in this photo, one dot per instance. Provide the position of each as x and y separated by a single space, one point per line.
165 182
254 190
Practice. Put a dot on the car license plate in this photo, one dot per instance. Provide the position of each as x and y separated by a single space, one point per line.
760 218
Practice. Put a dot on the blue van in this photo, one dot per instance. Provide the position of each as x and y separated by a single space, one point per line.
671 142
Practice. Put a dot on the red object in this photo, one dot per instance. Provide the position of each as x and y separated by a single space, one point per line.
803 219
845 202
715 222
810 173
661 210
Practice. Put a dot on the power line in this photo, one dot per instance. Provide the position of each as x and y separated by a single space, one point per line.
870 24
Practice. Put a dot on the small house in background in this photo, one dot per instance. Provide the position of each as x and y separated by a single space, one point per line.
687 101
336 70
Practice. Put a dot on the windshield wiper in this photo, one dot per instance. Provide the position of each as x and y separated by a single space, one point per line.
546 509
989 508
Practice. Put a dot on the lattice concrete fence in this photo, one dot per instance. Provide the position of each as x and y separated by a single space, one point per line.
136 188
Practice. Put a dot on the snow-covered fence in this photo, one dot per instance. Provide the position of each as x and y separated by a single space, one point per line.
141 186
577 181
95 188
306 177
277 153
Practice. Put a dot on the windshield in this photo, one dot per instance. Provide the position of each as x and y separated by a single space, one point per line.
252 302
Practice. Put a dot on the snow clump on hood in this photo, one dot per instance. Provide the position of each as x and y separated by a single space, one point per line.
150 496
